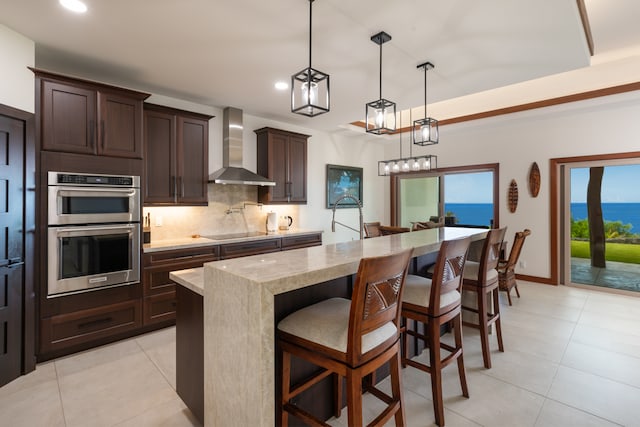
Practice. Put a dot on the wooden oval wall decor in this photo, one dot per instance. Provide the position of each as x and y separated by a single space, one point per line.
513 196
534 180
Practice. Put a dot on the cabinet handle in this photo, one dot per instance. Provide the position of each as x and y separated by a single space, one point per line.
174 190
102 134
181 185
95 322
92 133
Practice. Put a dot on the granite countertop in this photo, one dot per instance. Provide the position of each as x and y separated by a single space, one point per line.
285 271
198 241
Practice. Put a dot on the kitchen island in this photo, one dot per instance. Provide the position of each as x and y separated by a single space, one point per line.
241 310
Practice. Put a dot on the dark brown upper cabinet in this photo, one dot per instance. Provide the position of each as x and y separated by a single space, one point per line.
79 116
282 157
176 156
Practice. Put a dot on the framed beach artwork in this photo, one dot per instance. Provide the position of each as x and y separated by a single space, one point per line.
342 180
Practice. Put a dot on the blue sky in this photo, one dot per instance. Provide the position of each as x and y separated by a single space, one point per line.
620 184
469 188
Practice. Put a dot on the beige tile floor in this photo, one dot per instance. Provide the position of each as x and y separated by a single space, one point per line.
572 358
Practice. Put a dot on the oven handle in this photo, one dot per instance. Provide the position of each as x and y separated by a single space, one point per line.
84 191
93 230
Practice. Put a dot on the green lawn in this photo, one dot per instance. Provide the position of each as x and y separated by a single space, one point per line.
618 252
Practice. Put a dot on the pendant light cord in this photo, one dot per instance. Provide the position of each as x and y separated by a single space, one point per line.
425 91
381 72
310 20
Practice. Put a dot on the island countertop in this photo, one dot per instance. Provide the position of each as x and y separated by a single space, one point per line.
238 306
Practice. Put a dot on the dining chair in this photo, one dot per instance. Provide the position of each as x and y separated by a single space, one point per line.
371 229
349 339
506 267
386 230
436 302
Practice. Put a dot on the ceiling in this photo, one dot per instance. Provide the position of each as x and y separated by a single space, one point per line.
231 52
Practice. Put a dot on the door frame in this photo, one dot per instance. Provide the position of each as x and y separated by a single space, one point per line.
556 204
29 295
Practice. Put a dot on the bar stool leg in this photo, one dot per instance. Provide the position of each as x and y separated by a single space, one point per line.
354 398
457 330
436 371
396 388
496 312
286 384
484 328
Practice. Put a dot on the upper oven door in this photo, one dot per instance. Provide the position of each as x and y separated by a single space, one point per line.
91 205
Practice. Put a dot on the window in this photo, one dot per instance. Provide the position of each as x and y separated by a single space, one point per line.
468 192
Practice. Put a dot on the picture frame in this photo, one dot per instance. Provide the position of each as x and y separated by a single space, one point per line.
343 180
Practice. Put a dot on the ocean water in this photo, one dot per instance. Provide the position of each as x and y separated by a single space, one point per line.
471 213
482 213
627 213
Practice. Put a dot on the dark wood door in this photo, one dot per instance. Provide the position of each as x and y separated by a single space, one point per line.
159 157
12 140
68 118
120 133
297 163
193 160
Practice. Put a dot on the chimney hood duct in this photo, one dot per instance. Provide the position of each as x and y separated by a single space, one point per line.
232 171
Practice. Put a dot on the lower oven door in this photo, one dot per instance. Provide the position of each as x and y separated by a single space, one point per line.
90 257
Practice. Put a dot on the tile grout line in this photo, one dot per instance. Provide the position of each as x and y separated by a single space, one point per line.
64 415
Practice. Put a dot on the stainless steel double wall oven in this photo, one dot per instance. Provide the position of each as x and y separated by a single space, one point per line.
93 232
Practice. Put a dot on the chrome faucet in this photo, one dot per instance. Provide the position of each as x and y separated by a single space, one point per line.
333 217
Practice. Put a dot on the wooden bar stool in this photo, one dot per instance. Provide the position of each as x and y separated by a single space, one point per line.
435 302
507 267
350 339
481 278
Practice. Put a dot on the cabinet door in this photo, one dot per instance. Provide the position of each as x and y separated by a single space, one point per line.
159 157
297 169
120 130
192 160
278 148
68 118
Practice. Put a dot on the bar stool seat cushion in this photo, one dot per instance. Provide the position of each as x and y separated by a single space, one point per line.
417 290
471 272
327 323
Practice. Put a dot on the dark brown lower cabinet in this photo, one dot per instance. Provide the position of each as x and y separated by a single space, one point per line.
159 292
76 328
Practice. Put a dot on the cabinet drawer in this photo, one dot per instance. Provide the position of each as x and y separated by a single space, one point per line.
157 266
203 254
79 327
304 241
159 308
235 250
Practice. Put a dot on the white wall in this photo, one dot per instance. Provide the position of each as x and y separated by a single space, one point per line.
16 81
598 126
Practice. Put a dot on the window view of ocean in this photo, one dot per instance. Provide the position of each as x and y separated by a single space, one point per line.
471 213
627 213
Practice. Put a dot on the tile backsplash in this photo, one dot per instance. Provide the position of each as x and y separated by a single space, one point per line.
231 209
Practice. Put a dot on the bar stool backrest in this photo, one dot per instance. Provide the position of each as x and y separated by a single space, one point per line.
490 254
377 293
447 274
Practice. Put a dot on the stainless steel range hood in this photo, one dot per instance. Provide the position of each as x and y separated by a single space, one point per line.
232 171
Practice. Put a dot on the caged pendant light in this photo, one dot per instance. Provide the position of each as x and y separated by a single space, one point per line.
310 87
425 131
381 114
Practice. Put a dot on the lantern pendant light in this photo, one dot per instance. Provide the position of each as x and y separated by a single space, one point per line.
381 114
310 87
425 131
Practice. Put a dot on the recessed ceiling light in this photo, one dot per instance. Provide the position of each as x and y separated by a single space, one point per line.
282 85
74 5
